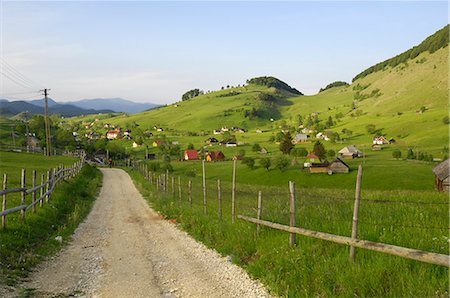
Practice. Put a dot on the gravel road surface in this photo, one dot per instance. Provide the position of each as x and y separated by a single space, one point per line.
125 249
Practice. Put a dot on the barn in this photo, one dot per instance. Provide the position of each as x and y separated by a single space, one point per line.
338 166
442 179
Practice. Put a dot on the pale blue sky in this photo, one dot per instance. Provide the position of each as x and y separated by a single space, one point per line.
155 51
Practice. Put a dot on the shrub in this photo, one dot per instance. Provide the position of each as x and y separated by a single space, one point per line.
446 120
265 163
281 162
256 147
397 154
249 162
154 166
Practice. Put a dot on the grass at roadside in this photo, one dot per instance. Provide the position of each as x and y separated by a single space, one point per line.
23 245
315 267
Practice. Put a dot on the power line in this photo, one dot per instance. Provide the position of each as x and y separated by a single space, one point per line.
16 82
14 71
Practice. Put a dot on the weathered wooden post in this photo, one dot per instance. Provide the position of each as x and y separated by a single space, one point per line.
233 194
150 175
41 191
167 181
173 186
47 188
179 188
24 194
219 198
259 212
355 212
204 186
5 186
34 192
292 236
190 193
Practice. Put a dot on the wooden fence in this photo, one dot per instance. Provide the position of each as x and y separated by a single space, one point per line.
45 189
161 183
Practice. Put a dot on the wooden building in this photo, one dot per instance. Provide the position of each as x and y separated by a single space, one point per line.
338 166
215 156
319 167
442 179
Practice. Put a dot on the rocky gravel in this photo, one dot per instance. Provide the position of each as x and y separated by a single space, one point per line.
125 249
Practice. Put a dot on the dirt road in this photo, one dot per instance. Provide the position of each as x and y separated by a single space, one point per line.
124 249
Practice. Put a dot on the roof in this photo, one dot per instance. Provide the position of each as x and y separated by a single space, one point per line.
301 136
191 154
349 149
114 131
312 155
338 160
442 169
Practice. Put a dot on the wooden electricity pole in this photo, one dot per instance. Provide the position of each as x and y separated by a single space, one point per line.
47 125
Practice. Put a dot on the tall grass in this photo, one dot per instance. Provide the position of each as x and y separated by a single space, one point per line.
319 268
23 245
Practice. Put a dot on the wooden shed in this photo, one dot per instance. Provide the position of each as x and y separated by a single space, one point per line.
338 166
442 179
319 167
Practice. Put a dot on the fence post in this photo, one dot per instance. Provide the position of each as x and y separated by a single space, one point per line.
219 198
5 186
190 193
47 188
259 212
41 191
167 180
233 194
173 186
150 177
179 188
204 186
292 236
23 201
355 212
34 192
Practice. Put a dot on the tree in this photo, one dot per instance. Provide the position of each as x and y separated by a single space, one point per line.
330 122
299 152
371 128
190 146
241 152
331 153
319 150
249 161
299 120
281 162
191 94
397 154
256 147
411 154
286 144
446 120
265 163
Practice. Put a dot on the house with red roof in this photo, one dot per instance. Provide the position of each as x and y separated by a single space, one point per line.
190 154
113 134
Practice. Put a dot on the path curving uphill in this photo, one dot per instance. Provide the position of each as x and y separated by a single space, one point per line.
124 249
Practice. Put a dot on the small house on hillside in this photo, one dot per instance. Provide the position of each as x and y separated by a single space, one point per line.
350 152
215 156
190 154
136 145
338 166
113 134
300 138
33 143
321 167
158 143
230 144
380 140
311 159
442 179
376 147
211 141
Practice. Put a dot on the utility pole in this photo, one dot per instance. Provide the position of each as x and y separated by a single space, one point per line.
47 124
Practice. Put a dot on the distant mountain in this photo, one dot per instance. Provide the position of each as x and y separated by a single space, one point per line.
11 108
114 104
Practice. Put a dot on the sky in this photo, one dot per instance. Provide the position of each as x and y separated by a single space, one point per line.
150 51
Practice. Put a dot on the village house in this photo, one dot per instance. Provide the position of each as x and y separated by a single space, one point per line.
350 152
263 151
321 167
217 132
113 134
136 145
307 130
230 144
442 179
215 156
158 143
212 141
310 159
338 166
224 129
376 147
300 138
190 154
33 143
259 131
380 140
322 136
127 132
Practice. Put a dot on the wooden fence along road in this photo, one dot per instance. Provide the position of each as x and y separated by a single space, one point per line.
46 188
161 183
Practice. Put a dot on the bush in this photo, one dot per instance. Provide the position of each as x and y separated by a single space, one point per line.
154 166
331 153
299 152
446 120
265 163
397 154
256 147
249 162
281 162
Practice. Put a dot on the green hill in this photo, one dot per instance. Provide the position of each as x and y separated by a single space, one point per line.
406 100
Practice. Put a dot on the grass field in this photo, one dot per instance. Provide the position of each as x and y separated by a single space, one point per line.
23 245
317 268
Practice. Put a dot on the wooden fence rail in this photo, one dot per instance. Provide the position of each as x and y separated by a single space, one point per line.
45 189
414 254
